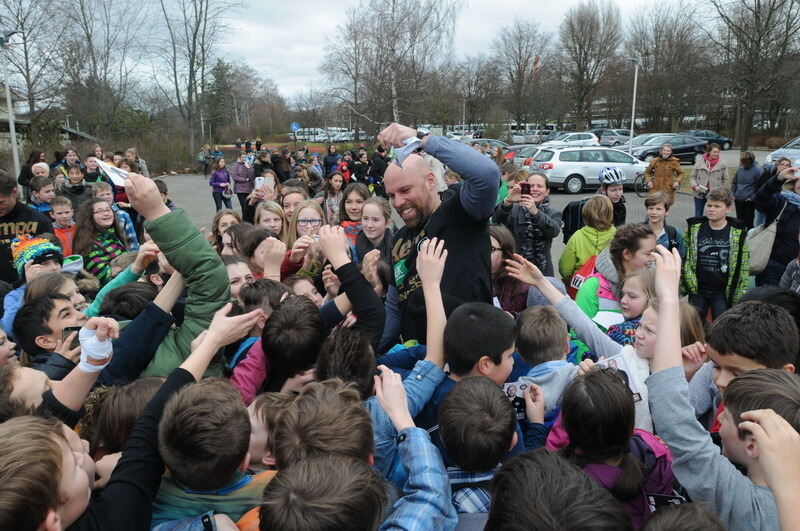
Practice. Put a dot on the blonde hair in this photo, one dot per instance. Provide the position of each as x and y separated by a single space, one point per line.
647 277
291 236
275 208
598 213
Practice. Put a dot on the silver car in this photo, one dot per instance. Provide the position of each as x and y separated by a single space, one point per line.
524 156
790 150
573 139
614 137
577 168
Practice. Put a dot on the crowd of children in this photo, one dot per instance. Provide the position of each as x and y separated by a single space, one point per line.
306 365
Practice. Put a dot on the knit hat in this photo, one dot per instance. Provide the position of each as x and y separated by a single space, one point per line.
26 248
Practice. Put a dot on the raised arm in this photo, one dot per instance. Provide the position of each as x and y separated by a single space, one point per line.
430 266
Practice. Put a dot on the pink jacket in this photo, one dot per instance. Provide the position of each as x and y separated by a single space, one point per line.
251 372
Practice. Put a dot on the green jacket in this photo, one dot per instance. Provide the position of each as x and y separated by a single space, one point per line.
738 276
207 287
584 244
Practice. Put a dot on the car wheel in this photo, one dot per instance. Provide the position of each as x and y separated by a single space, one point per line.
615 144
726 146
573 184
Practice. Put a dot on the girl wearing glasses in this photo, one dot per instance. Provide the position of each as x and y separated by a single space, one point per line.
301 241
98 238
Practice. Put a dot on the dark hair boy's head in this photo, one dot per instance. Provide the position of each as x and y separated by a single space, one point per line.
162 186
11 407
326 418
765 389
39 182
774 346
684 517
8 184
530 492
785 298
324 493
541 335
253 239
477 424
347 354
128 301
656 198
31 321
204 434
474 330
293 336
262 293
598 414
723 195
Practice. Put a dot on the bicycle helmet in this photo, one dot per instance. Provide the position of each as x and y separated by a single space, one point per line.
611 176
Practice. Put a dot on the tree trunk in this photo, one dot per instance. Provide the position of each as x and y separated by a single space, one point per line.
395 102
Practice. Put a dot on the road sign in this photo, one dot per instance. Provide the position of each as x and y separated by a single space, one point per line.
294 126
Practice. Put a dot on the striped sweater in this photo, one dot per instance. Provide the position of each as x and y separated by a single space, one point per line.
105 248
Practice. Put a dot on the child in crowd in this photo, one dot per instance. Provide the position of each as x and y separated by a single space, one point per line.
239 273
715 274
351 207
269 215
741 500
42 193
161 184
99 238
220 182
264 412
658 205
590 239
103 191
63 223
612 180
75 187
222 220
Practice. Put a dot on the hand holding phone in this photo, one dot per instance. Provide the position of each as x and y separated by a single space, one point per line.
259 182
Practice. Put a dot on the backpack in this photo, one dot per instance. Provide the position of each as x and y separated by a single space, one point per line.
672 235
201 157
572 216
580 276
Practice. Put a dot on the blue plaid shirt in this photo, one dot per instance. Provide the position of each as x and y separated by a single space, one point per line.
470 499
426 494
127 224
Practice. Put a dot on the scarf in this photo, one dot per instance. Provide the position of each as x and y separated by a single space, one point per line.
532 244
710 163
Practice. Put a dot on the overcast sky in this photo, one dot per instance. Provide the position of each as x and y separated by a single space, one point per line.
285 40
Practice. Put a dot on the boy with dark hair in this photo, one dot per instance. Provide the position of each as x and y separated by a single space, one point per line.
741 502
38 329
203 438
530 491
42 193
715 273
264 412
75 188
164 191
477 427
658 205
684 517
63 222
427 492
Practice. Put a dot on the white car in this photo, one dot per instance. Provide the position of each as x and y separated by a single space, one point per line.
573 139
576 168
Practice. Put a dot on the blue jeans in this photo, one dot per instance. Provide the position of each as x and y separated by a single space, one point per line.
705 299
699 207
218 200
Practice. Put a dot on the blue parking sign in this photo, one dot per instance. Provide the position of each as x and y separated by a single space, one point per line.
294 126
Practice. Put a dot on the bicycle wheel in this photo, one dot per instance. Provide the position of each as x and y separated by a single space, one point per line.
639 186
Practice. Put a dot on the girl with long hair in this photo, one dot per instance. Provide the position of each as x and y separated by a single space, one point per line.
222 220
376 232
269 215
331 197
220 183
98 238
350 209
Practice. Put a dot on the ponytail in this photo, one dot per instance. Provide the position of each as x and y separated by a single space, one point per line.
631 482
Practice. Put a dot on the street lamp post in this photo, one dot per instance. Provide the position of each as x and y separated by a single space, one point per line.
633 104
6 35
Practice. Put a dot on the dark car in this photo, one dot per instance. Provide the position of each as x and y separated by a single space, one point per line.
685 148
711 137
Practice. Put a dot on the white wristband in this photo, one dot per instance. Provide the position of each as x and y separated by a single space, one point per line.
93 349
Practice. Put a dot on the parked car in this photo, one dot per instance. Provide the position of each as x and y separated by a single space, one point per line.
710 137
586 138
613 137
577 168
346 136
523 157
638 140
685 148
533 136
790 150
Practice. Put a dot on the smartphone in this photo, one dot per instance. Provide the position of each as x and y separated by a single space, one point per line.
525 188
66 331
259 182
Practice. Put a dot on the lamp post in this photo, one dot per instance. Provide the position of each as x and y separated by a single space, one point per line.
633 104
6 35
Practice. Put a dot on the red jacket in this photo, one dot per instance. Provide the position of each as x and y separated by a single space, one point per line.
65 236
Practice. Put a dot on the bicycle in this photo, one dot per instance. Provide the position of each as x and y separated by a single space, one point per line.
640 186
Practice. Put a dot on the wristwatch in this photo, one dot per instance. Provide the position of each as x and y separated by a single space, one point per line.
421 135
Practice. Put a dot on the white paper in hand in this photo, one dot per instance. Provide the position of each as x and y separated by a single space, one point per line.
116 175
402 153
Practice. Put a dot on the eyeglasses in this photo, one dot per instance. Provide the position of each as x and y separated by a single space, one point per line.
307 222
497 249
103 211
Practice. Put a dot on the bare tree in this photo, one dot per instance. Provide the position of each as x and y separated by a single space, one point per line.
478 82
519 49
759 40
191 29
591 33
33 55
345 63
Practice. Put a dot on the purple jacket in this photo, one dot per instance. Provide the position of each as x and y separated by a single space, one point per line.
242 178
217 178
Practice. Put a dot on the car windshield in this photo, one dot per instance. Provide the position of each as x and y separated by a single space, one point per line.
641 139
543 156
656 140
794 144
560 136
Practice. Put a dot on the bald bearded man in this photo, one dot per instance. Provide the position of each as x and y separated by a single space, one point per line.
461 220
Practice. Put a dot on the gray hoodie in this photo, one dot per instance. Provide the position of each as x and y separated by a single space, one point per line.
700 468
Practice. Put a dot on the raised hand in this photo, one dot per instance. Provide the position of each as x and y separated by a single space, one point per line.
391 396
334 245
148 252
524 271
270 254
145 197
330 281
668 273
300 248
534 404
395 134
224 330
430 261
